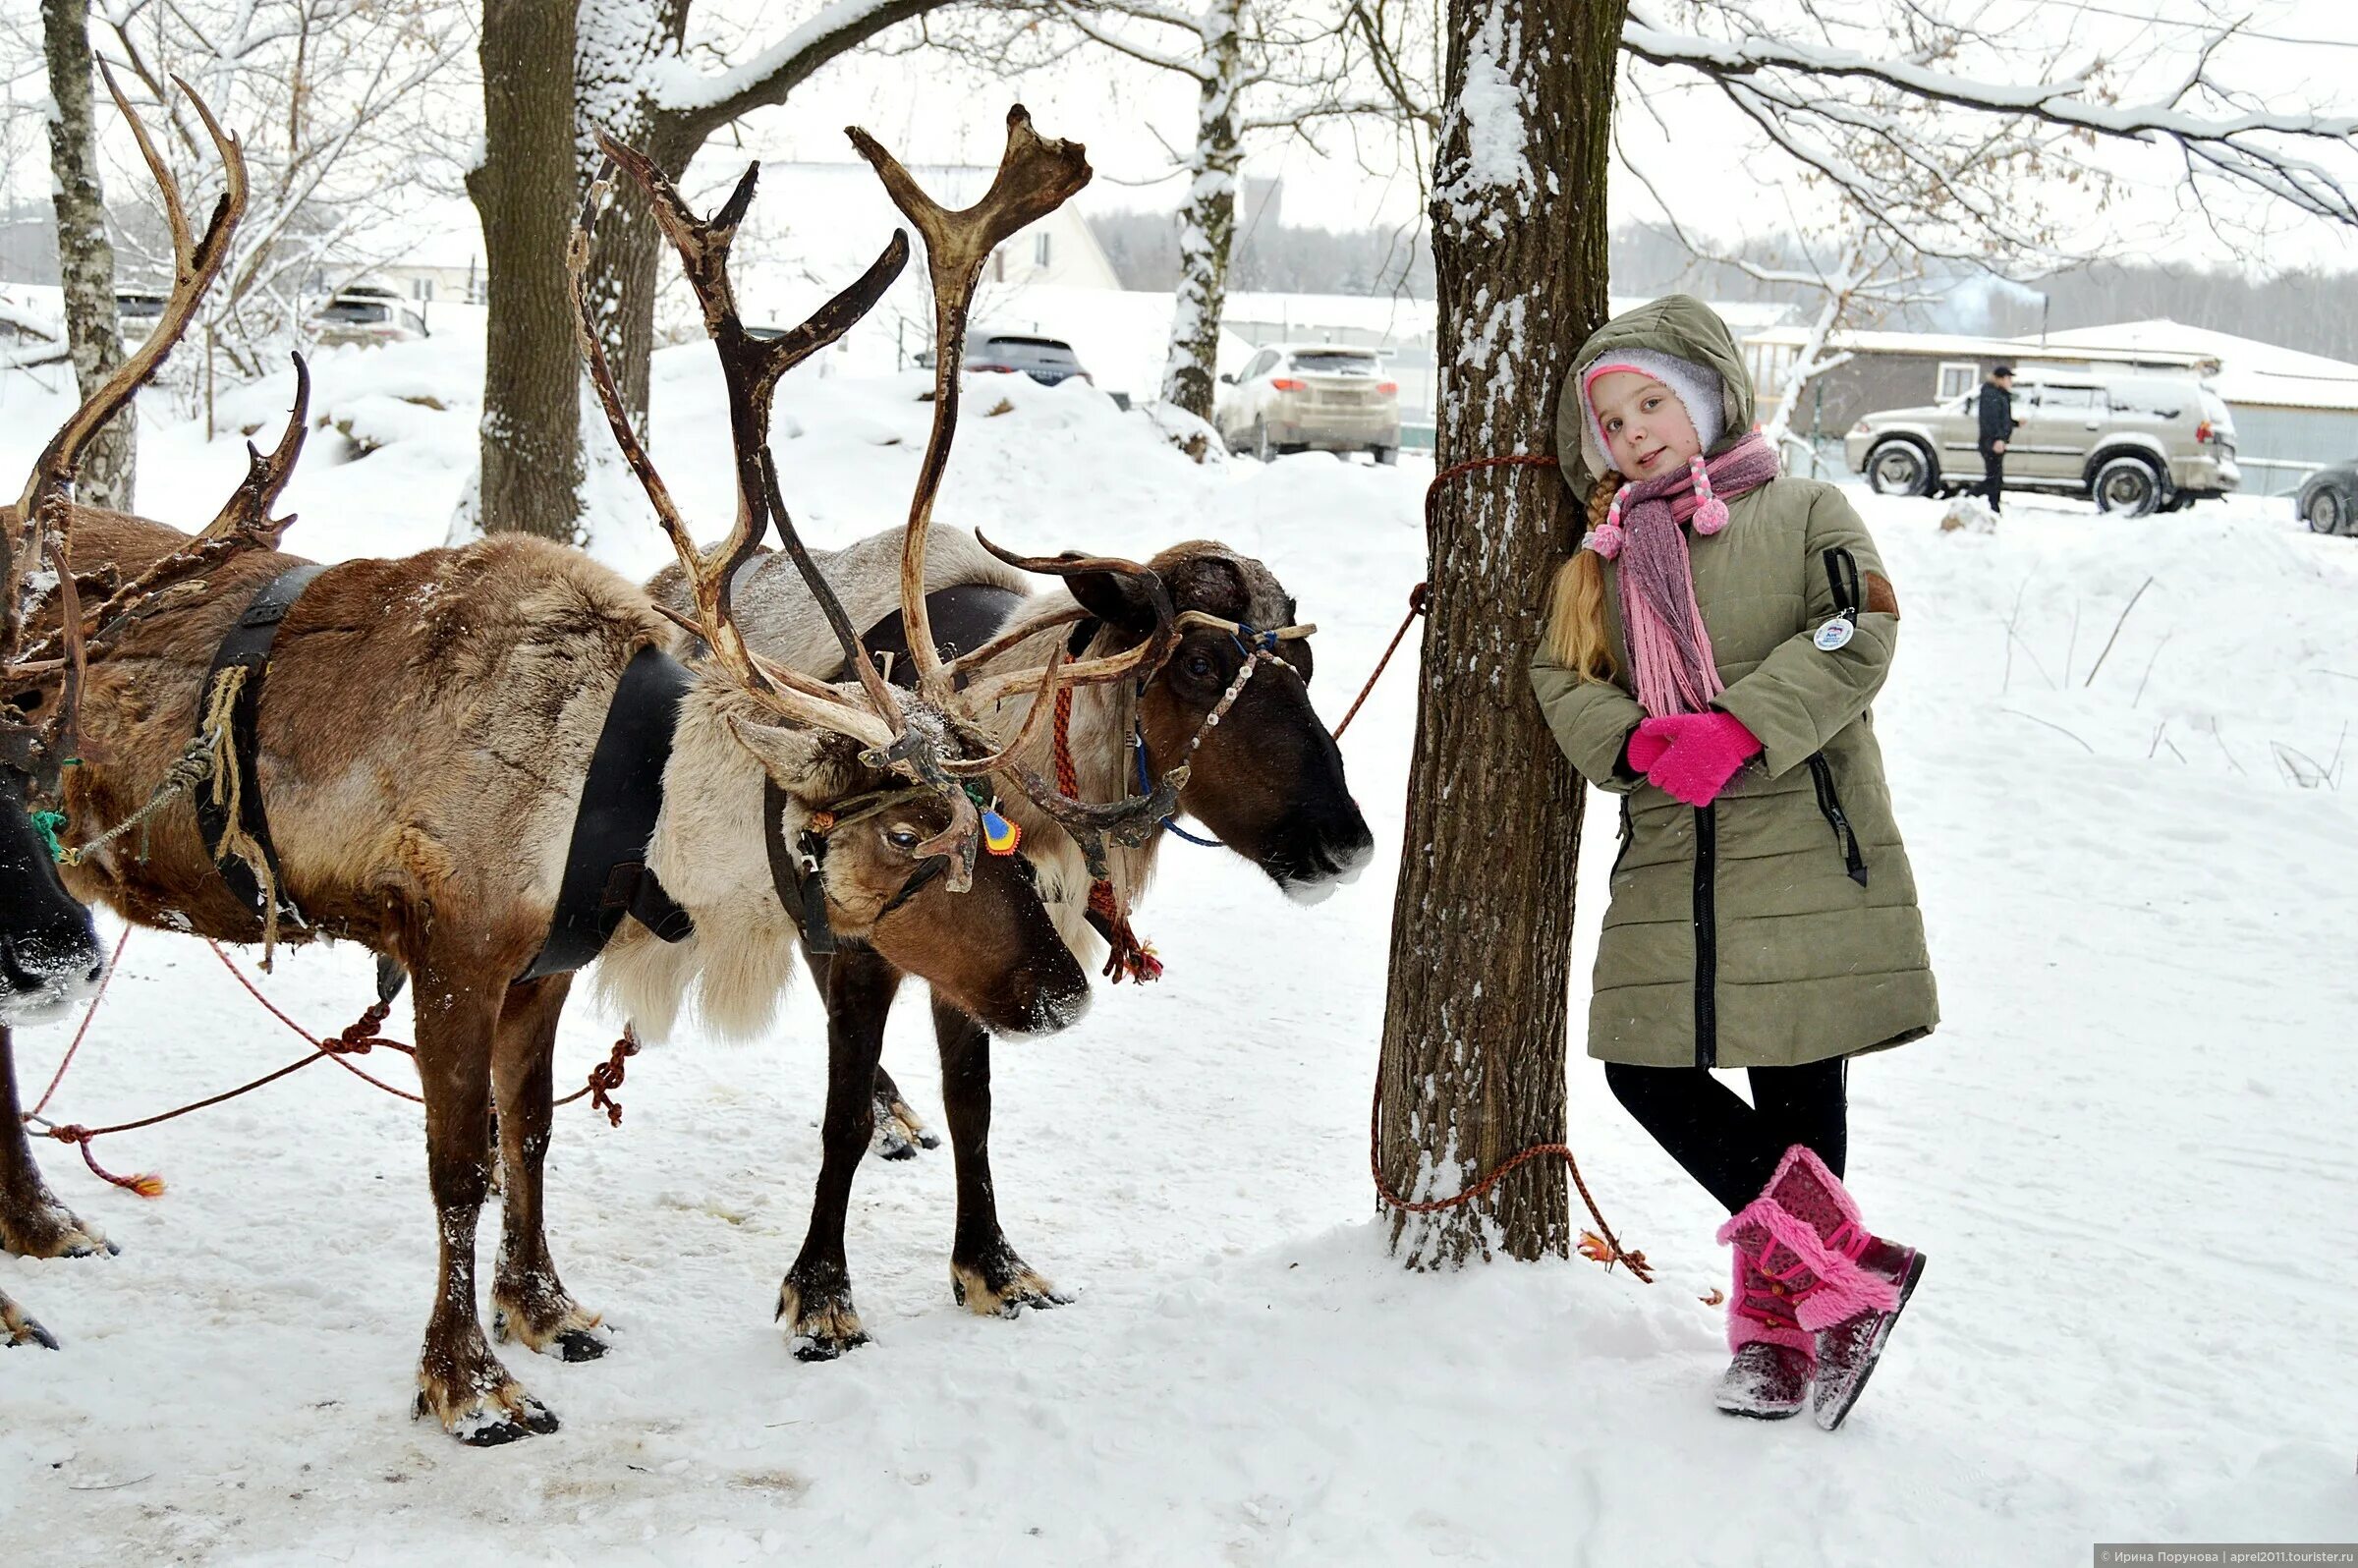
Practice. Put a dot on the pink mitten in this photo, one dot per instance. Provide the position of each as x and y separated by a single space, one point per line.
1704 754
1647 742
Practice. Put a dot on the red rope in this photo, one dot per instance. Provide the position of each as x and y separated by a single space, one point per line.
1128 958
88 1013
1416 607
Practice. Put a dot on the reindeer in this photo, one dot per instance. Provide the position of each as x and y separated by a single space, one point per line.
49 954
424 745
1192 630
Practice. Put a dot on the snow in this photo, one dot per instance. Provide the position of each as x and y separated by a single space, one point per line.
2126 1152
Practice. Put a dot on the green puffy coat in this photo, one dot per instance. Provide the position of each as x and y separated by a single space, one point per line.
1778 924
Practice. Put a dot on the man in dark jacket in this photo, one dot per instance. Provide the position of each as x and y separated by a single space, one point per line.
1998 428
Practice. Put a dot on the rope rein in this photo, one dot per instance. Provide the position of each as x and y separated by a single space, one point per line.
358 1038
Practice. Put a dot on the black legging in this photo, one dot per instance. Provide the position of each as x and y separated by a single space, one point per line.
1994 476
1732 1149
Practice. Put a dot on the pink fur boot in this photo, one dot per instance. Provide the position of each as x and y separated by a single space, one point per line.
1775 1357
1841 1283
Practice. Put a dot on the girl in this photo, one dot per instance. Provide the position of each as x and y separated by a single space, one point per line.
1710 652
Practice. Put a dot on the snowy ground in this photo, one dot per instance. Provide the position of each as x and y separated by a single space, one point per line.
2123 1152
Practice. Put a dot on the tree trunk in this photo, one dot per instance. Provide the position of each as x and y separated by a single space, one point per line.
626 262
1472 1063
524 189
85 262
1208 223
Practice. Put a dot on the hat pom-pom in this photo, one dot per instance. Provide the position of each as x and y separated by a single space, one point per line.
1604 538
1711 516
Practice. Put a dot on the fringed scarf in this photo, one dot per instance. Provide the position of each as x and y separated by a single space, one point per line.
1668 642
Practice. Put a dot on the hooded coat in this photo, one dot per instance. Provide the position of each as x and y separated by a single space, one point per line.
1778 924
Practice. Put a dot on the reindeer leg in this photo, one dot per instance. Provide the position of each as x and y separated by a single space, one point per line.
460 1382
900 1131
529 1302
33 1222
816 1297
985 1274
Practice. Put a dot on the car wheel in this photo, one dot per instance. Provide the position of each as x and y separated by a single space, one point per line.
1387 455
2326 511
2126 486
1261 447
1898 468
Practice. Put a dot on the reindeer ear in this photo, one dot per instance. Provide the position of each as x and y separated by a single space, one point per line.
1120 601
811 764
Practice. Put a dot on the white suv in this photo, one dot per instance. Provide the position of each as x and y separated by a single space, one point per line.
2132 442
1300 397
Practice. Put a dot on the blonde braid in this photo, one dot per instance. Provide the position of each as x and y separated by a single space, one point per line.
1576 635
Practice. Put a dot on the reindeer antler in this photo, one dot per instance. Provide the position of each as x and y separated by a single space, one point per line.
41 529
1036 176
752 370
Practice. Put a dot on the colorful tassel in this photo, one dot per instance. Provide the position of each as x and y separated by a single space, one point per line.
1608 537
999 835
1711 512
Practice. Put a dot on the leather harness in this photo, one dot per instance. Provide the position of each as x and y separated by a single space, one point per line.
247 647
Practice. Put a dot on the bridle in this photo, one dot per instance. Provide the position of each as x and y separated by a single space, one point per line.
1258 647
796 872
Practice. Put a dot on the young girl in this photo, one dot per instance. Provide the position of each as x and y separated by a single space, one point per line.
1711 649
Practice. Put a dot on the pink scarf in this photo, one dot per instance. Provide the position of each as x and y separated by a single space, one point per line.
1667 641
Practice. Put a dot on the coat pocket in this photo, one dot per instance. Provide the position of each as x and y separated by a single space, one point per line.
1829 805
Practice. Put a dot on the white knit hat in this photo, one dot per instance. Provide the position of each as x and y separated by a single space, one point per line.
1697 388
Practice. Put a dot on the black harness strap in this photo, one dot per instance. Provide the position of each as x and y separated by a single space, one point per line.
606 875
802 891
964 616
247 647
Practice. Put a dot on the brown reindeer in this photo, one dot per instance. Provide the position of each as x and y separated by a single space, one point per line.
422 746
49 956
1200 631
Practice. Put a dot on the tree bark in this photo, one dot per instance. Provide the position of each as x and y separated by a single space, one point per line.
1208 223
1473 1065
524 191
85 261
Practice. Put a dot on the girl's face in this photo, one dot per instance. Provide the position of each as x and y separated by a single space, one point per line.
1647 431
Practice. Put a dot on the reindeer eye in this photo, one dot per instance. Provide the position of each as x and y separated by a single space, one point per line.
1199 667
902 839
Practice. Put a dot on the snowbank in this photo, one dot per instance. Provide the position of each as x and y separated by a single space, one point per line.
2126 1152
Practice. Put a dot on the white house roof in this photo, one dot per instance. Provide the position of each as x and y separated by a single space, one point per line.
1961 346
2249 371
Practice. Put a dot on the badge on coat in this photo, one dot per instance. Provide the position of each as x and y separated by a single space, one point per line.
1834 636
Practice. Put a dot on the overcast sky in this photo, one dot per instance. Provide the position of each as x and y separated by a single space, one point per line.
1710 162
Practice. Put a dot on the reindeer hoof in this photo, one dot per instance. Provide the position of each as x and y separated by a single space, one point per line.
900 1131
490 1420
559 1328
17 1327
1003 1286
822 1325
50 1230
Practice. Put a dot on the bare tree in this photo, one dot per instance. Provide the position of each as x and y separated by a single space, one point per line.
349 104
1474 1021
85 259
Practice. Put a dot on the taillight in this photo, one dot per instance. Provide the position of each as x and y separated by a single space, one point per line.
2202 432
997 369
1388 388
1286 383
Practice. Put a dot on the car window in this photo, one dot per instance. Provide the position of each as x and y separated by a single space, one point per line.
1037 348
1260 364
2068 399
357 310
1334 362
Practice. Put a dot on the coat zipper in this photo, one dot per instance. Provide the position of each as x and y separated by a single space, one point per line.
1707 939
1829 804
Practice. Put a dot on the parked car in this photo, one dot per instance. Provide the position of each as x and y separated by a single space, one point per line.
2328 500
366 314
1300 397
1048 361
136 311
2133 442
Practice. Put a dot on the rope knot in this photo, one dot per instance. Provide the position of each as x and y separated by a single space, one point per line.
607 1077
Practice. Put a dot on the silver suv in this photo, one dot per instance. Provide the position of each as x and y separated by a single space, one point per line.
2131 441
1300 396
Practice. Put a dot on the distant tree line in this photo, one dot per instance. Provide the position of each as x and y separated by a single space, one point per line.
2313 311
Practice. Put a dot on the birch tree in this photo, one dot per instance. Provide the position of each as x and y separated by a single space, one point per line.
1260 68
1473 1064
85 258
